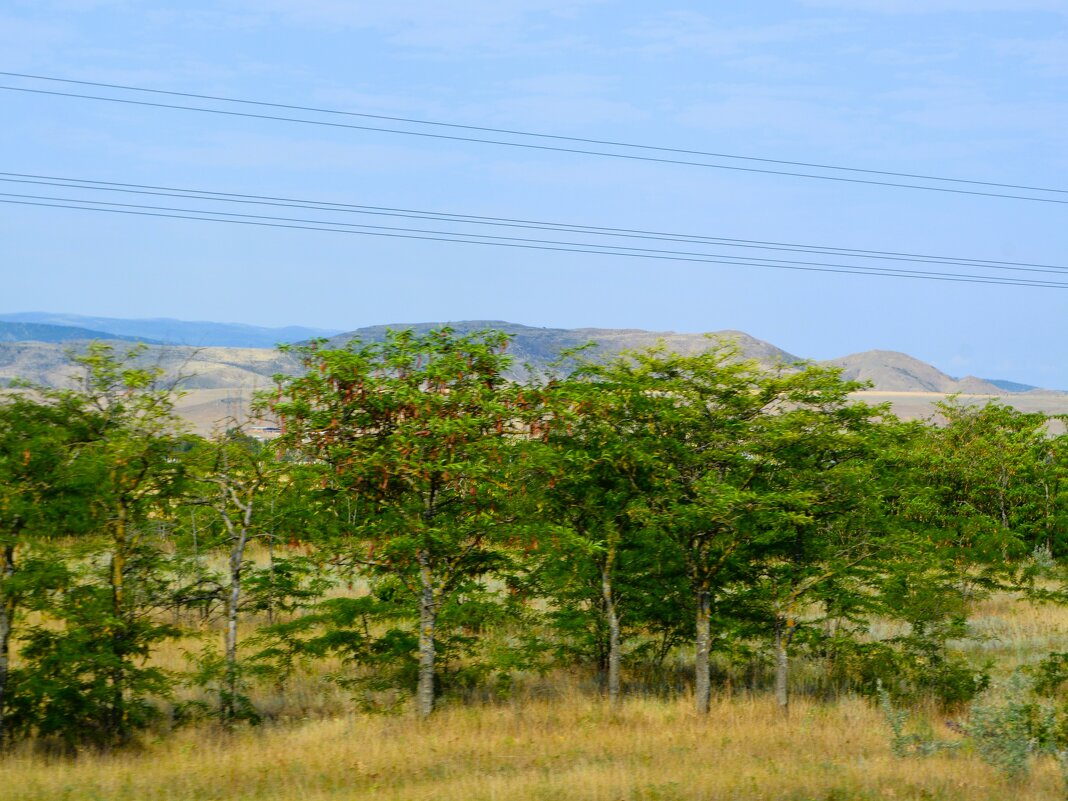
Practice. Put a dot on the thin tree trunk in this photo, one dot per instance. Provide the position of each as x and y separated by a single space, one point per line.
118 714
237 555
7 613
238 533
702 679
427 619
270 570
613 631
782 664
196 547
784 633
118 565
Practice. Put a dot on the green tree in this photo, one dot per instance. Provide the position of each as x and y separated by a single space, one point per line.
603 568
127 458
424 435
235 477
989 487
826 529
723 429
39 501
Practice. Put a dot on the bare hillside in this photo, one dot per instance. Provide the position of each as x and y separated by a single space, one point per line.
890 371
540 346
49 364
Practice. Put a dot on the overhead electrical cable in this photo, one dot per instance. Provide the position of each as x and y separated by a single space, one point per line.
512 242
551 148
622 233
607 248
532 134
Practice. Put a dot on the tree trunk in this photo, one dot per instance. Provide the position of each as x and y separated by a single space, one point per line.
118 565
424 697
7 613
782 667
612 620
237 555
702 679
784 632
238 531
118 716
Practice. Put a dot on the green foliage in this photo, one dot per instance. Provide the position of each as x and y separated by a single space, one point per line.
287 584
110 468
1050 674
904 743
226 686
426 438
437 529
991 491
1011 725
87 683
923 660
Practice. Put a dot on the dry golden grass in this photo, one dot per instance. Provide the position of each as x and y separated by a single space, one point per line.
567 748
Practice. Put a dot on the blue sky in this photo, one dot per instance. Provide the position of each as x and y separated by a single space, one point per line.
964 88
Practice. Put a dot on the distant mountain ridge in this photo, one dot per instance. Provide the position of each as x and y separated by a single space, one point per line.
44 361
45 332
175 332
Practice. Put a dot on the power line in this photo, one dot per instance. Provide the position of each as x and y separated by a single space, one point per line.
552 148
625 233
533 134
515 242
607 248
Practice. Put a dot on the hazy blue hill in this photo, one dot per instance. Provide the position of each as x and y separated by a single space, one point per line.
176 332
1011 386
46 332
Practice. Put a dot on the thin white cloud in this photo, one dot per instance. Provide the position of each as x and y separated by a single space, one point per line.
940 6
29 41
469 28
676 31
817 121
1047 57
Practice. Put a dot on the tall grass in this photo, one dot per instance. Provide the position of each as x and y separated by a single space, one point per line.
570 747
554 738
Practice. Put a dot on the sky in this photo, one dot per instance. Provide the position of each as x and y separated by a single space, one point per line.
969 89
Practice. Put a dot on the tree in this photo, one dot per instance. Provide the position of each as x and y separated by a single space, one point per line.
39 499
424 435
827 529
601 569
127 459
990 491
234 475
976 494
720 430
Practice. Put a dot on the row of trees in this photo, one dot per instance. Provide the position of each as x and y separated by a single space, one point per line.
436 525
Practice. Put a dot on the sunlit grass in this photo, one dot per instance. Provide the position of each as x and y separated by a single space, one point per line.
553 738
571 747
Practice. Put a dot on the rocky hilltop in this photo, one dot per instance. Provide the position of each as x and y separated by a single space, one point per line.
538 347
890 371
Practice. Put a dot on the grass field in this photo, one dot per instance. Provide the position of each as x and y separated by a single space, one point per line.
566 748
555 739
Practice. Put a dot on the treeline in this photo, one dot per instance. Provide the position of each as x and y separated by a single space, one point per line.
438 529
